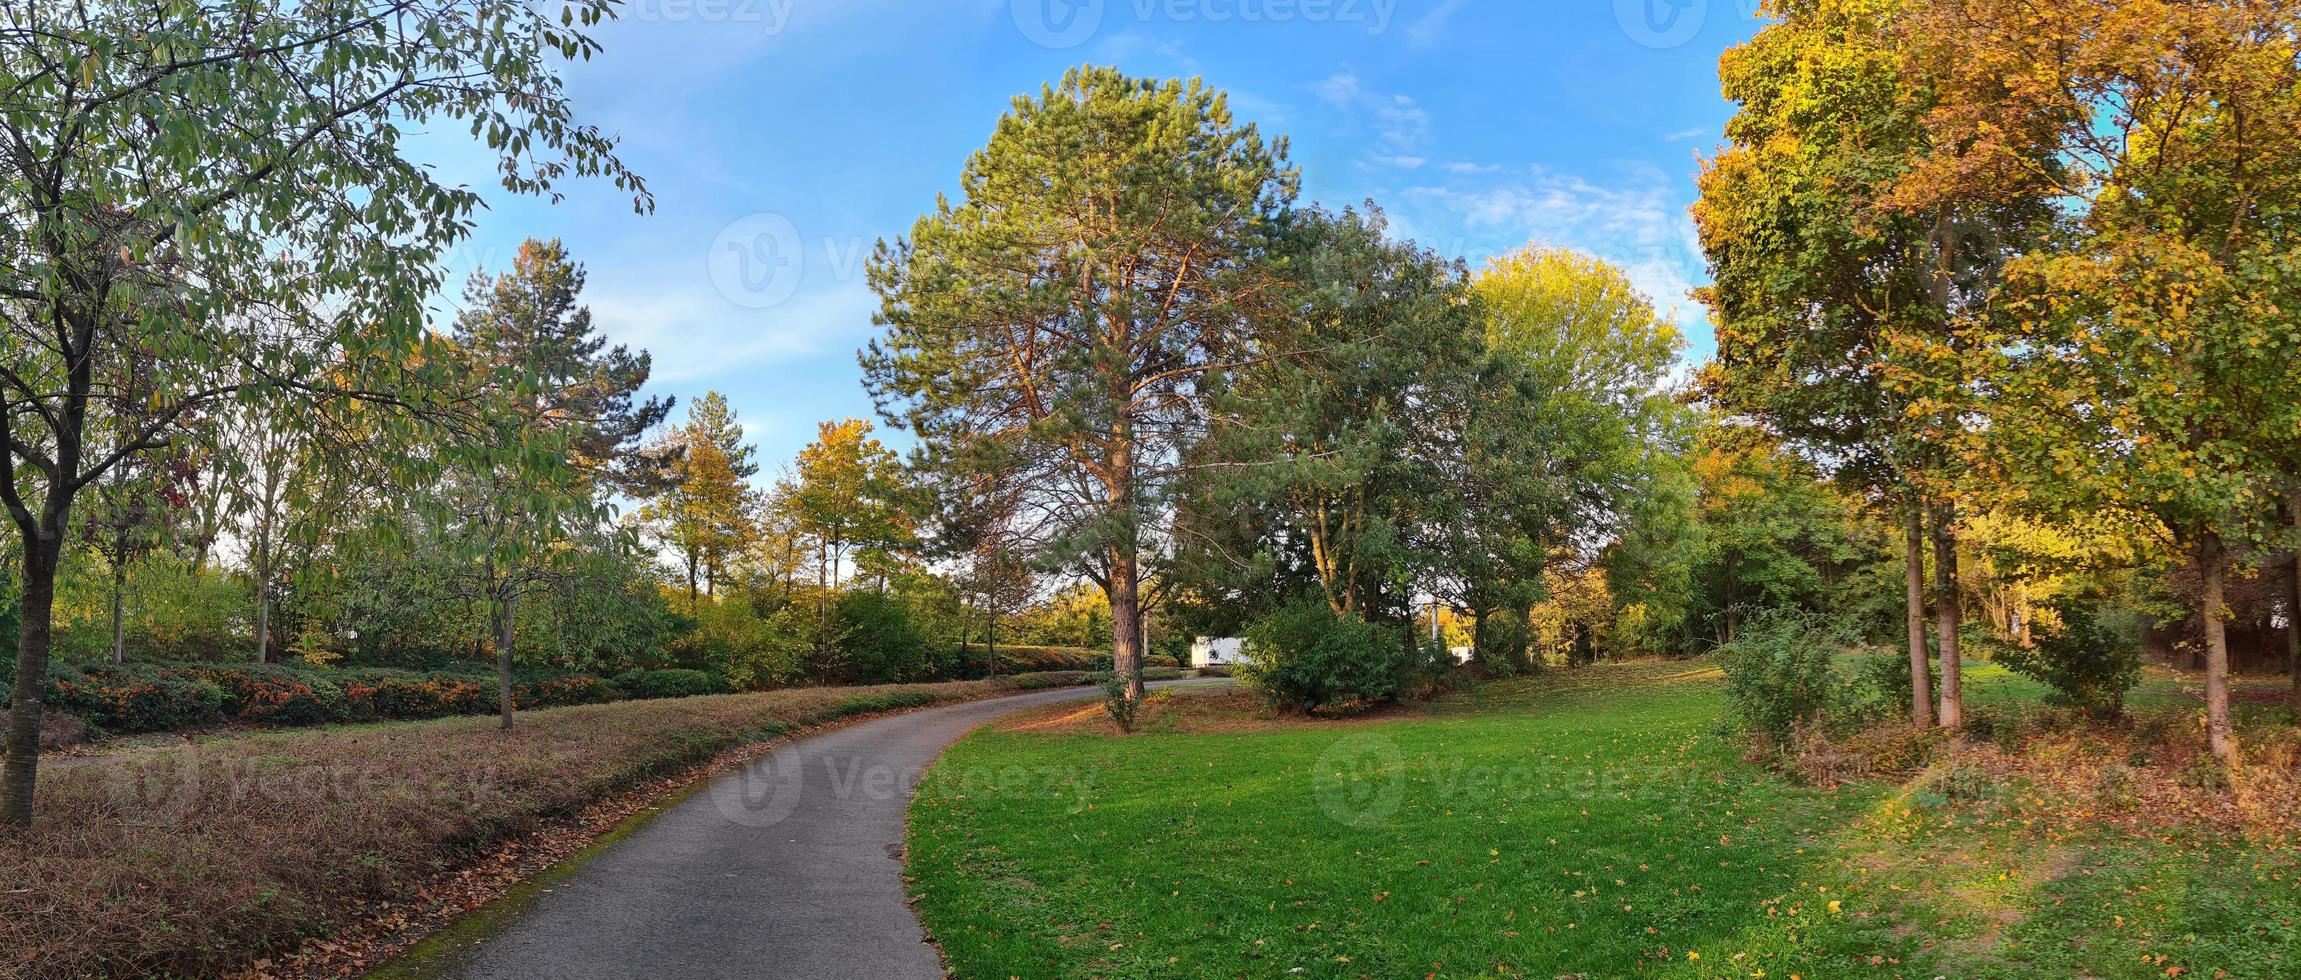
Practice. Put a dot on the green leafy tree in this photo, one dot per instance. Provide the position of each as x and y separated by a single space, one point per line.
221 185
2145 360
706 511
1324 470
1568 426
1054 324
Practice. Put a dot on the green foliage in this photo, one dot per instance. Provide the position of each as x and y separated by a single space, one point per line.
675 682
272 694
2090 661
877 640
1305 657
133 698
380 693
865 704
1781 673
1119 704
1045 679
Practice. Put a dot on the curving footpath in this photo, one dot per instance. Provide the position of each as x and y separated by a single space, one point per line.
789 868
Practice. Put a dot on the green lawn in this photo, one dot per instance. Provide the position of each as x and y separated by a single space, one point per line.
1584 823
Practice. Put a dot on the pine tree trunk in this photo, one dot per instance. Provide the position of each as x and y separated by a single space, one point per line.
2212 564
1946 615
1921 663
34 638
1126 623
506 631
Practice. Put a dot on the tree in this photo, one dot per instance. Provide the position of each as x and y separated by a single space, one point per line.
180 167
1567 428
2146 361
1055 323
557 409
532 315
1826 289
1322 471
705 511
846 496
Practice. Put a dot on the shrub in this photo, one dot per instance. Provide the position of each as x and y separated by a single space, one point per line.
126 699
2090 662
272 694
877 639
562 691
1779 673
1880 692
1045 679
864 704
1121 707
1428 671
384 693
670 683
1214 670
1306 657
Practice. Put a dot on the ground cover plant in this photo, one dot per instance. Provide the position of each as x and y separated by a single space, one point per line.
1591 822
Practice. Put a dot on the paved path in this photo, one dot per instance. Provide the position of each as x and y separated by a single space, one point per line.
788 868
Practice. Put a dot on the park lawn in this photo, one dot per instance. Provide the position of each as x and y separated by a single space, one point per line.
1589 822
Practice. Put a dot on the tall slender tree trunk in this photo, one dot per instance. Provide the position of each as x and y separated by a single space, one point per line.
119 611
1913 577
2213 566
263 569
1946 615
506 630
34 639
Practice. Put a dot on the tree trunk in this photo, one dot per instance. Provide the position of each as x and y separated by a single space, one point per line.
263 558
119 618
33 640
1126 623
1921 664
822 614
2213 566
1946 615
506 631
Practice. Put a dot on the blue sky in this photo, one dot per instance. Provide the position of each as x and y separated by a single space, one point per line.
783 137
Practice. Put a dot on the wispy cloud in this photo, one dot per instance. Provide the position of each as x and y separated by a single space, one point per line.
695 337
1400 129
1430 28
1632 219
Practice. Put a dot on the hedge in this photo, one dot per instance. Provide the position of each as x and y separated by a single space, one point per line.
133 698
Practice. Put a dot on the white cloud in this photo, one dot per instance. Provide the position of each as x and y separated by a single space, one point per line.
1428 30
695 336
1631 219
1400 128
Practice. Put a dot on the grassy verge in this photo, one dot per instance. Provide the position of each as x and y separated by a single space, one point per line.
201 859
1585 823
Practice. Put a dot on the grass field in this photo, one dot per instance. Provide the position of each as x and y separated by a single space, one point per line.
1585 823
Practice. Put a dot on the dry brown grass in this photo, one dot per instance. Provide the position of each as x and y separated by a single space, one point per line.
201 859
